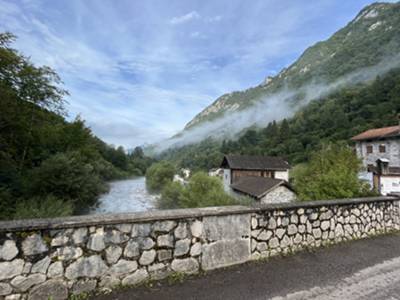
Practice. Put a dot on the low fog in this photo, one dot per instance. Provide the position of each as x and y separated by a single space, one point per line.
273 107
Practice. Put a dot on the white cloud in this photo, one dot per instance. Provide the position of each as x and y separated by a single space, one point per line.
214 19
193 15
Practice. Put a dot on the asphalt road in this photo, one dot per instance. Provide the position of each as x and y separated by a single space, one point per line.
364 269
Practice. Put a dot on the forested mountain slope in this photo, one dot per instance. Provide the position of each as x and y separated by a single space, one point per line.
334 118
371 38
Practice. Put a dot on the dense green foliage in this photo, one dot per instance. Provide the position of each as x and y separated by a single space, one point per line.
331 173
335 118
48 166
159 175
201 191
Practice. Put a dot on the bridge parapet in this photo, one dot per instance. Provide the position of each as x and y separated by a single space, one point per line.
55 258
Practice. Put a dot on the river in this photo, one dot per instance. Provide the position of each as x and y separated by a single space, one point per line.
128 195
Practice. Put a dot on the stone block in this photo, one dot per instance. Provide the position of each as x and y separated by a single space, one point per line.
165 240
141 230
51 289
8 250
225 253
186 265
136 278
11 269
132 249
181 231
33 245
56 269
265 235
196 229
226 227
163 226
41 266
80 235
113 253
182 247
123 267
92 266
24 283
164 254
147 257
196 249
84 286
5 289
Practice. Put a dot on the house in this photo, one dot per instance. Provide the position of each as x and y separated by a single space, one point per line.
378 143
264 189
379 151
263 178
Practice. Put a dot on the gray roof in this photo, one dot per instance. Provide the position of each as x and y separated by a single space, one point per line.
254 162
257 186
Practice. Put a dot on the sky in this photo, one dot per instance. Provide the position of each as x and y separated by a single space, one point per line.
137 71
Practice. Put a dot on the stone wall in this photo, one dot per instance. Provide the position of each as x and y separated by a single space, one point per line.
58 257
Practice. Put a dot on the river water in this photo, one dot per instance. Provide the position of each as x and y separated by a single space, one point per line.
128 195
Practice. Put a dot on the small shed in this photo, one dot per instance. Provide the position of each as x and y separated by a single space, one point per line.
264 189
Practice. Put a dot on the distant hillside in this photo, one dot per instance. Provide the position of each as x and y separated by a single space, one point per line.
372 37
334 118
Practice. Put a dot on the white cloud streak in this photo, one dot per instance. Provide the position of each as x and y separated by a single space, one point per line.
193 15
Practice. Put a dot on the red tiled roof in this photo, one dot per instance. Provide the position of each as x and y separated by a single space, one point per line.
378 133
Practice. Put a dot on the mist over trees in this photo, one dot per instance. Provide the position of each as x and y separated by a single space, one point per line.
49 167
334 118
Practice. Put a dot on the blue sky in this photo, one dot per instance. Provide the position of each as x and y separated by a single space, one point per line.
138 71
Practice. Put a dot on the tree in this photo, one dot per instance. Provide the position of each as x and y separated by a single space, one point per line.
331 173
201 191
43 207
171 196
67 177
158 175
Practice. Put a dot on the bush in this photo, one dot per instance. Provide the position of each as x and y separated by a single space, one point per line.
159 175
68 177
201 191
331 173
48 207
171 195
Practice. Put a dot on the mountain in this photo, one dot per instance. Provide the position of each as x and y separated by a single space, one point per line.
371 39
336 89
332 119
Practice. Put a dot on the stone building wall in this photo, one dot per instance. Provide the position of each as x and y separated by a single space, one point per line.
280 194
58 257
392 152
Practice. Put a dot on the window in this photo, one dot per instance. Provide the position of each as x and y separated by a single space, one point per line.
369 149
382 148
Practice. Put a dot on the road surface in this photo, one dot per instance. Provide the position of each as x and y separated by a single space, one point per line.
364 269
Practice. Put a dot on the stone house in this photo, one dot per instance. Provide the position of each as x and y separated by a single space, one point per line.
378 143
379 151
265 190
264 178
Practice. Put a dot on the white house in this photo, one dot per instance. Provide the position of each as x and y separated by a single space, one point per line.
263 178
379 151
